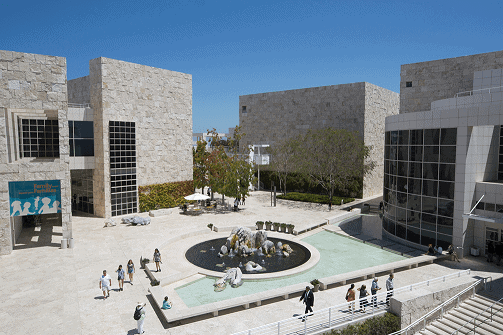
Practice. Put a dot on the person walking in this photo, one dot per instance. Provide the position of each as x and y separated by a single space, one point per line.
363 294
389 287
120 278
105 283
373 289
130 270
157 260
243 200
308 298
139 316
350 296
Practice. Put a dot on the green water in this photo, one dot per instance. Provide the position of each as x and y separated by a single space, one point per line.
338 255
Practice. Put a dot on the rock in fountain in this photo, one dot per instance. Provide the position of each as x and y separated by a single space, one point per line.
252 266
243 242
233 276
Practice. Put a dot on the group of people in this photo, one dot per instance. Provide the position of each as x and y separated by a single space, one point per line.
494 250
351 294
238 201
106 280
434 250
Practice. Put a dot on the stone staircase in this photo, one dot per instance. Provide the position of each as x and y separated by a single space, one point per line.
466 311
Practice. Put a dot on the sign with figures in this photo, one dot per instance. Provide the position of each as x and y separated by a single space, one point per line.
34 197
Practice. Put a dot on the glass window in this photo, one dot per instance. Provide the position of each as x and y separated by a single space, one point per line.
401 199
403 137
70 128
394 137
416 137
392 168
386 194
447 172
84 147
401 231
386 166
429 205
402 169
414 202
386 152
448 154
83 129
446 190
401 215
430 188
428 222
430 154
403 153
414 186
448 136
480 205
391 227
431 136
413 219
413 235
401 184
430 171
416 153
444 225
428 237
499 208
415 170
446 207
387 138
393 152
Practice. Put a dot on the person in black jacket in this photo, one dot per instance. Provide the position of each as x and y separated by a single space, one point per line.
308 298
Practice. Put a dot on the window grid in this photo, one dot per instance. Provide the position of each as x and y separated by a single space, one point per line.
419 170
123 179
81 144
500 169
39 138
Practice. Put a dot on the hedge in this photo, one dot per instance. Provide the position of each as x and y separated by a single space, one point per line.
165 195
316 198
379 325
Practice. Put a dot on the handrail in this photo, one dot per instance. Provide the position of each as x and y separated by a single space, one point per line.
328 317
475 318
469 93
439 308
74 105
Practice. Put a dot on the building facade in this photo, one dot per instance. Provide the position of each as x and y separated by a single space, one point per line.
440 160
87 144
266 118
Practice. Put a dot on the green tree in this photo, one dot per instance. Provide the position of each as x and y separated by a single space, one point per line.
200 161
335 159
283 160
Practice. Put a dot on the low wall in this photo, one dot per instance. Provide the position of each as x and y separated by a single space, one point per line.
410 306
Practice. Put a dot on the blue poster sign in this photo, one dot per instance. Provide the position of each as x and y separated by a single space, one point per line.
34 197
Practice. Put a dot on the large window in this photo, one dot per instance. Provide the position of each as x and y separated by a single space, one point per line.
419 171
123 167
82 190
38 138
81 138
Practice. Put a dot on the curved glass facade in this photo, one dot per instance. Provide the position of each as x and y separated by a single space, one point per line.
419 171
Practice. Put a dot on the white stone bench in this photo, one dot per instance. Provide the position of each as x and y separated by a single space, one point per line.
371 272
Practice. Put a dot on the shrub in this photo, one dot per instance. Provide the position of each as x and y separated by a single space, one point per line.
316 198
379 325
165 195
315 282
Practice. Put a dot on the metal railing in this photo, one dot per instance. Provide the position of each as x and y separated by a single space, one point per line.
438 312
473 320
331 317
480 91
73 105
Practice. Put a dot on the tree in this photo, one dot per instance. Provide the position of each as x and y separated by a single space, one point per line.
335 159
283 162
200 161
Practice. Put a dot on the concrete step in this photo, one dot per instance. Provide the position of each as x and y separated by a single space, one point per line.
426 332
466 315
457 322
489 301
497 318
436 329
447 324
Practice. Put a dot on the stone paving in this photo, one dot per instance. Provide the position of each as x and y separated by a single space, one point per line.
45 289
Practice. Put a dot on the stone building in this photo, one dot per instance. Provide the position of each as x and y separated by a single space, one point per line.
444 152
86 144
269 117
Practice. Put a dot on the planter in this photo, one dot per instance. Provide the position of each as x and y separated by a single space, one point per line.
289 229
260 226
283 229
316 288
276 226
268 226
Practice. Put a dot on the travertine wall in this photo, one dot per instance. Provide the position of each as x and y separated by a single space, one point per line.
442 79
79 90
31 86
160 103
360 107
379 103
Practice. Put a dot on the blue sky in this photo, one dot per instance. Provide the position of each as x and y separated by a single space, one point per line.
235 48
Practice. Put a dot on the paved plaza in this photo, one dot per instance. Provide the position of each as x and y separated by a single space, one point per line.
47 290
